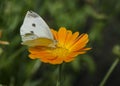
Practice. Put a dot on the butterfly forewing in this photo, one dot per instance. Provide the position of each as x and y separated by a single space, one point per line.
34 31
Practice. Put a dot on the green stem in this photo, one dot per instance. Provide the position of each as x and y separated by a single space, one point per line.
59 82
109 72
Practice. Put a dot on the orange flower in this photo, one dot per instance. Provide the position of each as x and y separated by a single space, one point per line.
67 48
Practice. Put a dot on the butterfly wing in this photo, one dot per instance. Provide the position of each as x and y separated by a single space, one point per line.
34 28
39 42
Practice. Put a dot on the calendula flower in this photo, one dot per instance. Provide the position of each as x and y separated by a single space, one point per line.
3 42
68 46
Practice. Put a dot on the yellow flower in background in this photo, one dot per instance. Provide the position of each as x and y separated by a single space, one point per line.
68 46
3 42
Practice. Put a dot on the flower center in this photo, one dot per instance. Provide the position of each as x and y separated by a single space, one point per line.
61 52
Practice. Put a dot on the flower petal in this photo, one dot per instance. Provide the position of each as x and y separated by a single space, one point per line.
62 36
54 33
68 37
80 43
56 61
69 59
72 39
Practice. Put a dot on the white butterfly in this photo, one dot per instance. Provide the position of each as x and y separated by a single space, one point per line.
35 32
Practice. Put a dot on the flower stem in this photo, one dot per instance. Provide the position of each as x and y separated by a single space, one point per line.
109 72
59 82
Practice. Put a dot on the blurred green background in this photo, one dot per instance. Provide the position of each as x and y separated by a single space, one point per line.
99 18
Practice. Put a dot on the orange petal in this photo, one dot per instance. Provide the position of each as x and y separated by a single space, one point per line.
33 56
47 59
62 35
74 36
44 60
80 43
56 61
72 39
39 55
85 49
73 54
68 37
69 59
54 33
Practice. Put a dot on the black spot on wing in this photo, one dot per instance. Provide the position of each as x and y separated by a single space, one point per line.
31 32
34 25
